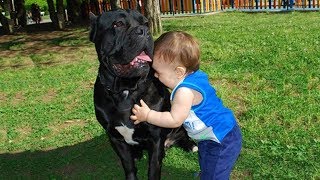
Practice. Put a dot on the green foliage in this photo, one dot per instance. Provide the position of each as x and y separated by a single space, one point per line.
265 67
42 3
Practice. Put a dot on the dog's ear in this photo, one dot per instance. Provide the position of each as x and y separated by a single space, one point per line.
93 31
92 17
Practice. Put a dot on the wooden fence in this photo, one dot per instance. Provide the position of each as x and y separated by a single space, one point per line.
206 6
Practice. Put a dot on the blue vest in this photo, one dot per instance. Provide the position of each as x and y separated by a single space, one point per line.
209 120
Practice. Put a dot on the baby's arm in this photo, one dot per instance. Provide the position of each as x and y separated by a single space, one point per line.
180 109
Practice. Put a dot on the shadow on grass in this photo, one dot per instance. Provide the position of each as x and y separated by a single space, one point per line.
43 26
41 48
68 37
90 159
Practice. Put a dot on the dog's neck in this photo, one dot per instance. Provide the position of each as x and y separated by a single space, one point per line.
123 88
118 85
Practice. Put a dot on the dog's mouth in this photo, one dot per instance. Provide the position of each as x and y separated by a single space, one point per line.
139 61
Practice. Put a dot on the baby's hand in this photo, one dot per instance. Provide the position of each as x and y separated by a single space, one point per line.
140 113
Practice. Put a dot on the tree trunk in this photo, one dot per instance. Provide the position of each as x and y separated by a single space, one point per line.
60 15
52 12
57 18
152 12
4 5
115 4
7 24
13 12
21 12
74 11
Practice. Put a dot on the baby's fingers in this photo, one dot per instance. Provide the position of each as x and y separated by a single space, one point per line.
133 117
143 103
136 122
136 107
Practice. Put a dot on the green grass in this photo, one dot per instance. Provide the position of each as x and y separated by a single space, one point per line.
264 66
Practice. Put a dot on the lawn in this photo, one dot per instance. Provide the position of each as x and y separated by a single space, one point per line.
265 67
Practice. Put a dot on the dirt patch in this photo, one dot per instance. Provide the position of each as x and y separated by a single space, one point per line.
24 131
3 135
73 102
74 169
18 97
3 97
57 128
86 86
49 96
239 105
241 175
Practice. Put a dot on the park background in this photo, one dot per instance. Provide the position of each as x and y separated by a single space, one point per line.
265 67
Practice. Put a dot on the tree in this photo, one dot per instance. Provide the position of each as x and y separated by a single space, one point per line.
52 11
74 10
57 18
115 4
21 12
57 13
152 12
60 15
7 24
17 11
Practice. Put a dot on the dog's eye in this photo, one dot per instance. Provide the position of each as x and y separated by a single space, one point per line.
118 24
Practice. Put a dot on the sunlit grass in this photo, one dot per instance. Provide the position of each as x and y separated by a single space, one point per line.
266 68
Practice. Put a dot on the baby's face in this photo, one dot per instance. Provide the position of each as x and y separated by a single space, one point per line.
165 72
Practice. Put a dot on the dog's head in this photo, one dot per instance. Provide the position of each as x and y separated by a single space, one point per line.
123 42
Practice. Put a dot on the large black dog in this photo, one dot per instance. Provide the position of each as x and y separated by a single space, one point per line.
125 49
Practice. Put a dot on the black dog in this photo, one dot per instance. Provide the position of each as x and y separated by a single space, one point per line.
125 49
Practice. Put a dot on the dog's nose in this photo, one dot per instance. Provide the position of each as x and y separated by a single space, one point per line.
142 30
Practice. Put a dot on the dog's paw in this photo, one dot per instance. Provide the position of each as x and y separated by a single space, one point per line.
195 149
168 143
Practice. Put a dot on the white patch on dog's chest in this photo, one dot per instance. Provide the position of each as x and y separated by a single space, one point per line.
126 133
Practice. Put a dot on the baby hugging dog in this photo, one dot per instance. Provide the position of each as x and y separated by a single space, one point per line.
125 49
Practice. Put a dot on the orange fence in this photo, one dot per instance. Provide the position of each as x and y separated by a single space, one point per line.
98 6
189 6
277 4
205 6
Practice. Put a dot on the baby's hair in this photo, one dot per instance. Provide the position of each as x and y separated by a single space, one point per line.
178 47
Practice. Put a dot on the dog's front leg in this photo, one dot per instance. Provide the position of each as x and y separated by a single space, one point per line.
123 150
156 154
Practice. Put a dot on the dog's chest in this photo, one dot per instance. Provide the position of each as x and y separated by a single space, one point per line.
123 102
127 134
124 106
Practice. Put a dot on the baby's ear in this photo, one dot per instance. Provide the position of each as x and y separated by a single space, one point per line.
180 71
